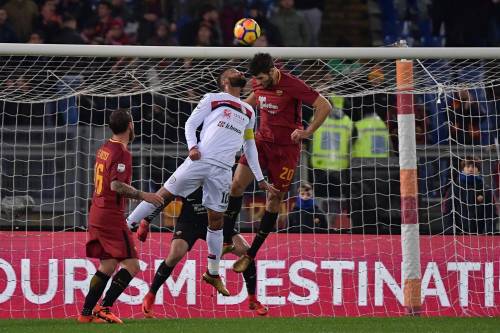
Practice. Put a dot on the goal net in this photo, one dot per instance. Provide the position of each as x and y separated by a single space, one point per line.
404 220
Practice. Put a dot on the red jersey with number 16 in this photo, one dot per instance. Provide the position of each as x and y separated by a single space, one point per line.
113 162
280 107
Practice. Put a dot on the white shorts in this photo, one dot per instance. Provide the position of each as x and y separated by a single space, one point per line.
190 175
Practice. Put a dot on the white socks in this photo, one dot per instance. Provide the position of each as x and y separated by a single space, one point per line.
214 242
143 210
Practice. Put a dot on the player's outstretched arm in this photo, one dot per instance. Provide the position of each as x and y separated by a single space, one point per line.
322 109
128 191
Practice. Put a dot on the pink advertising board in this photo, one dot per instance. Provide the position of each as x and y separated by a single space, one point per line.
46 275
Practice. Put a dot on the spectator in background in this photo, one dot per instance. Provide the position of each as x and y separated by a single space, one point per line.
257 12
466 23
116 35
163 35
231 13
7 34
372 140
465 116
469 204
88 33
36 38
209 17
312 11
22 14
49 22
68 34
80 10
330 153
306 216
121 10
148 14
380 104
104 20
204 36
291 25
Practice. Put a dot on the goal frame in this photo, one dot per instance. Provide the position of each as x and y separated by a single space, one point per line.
249 52
402 56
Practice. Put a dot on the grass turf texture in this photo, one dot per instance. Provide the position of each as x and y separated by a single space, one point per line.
260 325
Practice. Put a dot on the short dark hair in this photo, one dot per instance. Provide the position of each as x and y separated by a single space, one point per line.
119 120
106 3
261 63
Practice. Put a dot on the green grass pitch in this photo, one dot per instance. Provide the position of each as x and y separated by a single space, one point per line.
261 325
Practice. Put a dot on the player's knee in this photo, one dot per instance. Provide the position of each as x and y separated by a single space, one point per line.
241 249
216 224
273 202
133 267
237 188
215 220
174 258
108 266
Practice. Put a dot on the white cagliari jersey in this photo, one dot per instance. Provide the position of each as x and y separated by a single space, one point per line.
225 119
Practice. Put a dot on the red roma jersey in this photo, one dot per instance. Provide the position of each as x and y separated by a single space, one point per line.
113 162
280 107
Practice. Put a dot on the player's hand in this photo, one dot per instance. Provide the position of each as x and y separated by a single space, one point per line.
153 198
132 225
299 135
263 185
194 153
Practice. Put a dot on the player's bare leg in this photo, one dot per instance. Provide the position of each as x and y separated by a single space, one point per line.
243 176
129 268
267 224
178 249
97 286
145 212
214 241
250 274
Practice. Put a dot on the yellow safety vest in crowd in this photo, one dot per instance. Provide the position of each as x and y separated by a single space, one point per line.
373 138
330 144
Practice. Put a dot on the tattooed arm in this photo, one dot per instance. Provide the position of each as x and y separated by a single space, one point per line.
130 192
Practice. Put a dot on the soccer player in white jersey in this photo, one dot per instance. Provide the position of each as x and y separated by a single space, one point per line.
228 123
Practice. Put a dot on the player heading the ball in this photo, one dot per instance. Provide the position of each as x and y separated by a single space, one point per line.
278 96
228 124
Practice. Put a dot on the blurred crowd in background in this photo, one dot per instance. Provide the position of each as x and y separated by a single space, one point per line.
284 22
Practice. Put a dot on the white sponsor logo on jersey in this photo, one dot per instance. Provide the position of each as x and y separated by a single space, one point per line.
120 167
269 107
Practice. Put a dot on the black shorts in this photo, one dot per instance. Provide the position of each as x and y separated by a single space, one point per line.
192 231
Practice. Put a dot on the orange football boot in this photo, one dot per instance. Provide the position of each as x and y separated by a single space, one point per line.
147 305
89 319
104 312
254 304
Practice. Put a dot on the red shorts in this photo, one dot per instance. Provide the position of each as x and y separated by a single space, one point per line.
111 241
279 161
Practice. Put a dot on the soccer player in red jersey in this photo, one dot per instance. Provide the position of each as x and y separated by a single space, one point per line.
278 96
109 237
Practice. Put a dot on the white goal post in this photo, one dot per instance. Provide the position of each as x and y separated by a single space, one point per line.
47 85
